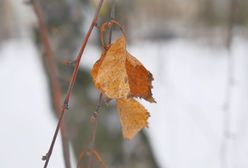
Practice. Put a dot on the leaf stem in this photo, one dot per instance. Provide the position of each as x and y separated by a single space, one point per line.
94 116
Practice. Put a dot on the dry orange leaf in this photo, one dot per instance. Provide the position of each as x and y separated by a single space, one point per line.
139 78
109 73
120 75
133 117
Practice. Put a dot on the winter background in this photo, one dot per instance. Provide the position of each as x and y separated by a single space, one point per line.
201 117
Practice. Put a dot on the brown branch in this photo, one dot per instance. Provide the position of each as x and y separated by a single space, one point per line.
72 83
94 116
52 74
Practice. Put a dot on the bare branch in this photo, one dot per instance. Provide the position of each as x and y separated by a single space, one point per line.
52 74
72 82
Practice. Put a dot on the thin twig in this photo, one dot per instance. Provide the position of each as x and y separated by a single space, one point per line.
99 158
230 81
112 16
72 82
91 152
93 120
52 74
94 117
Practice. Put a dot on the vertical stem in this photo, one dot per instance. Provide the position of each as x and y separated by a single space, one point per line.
52 74
112 16
94 117
230 83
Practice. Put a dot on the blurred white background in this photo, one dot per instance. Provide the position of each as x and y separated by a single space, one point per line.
201 117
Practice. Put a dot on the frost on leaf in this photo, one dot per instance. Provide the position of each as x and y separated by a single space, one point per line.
133 117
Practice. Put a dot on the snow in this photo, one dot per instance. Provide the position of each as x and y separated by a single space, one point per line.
26 123
182 123
186 125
